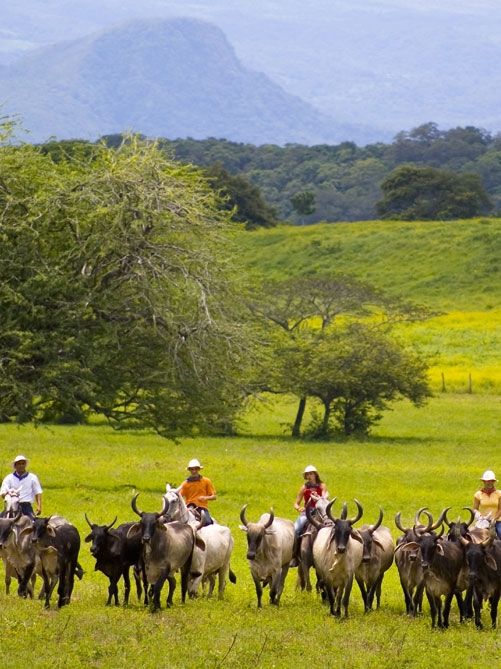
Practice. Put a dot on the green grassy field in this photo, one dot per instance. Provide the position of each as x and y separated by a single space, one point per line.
452 267
431 456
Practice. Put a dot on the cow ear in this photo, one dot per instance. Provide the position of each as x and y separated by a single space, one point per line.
51 531
243 528
133 530
200 543
26 531
411 545
440 548
378 543
355 534
88 538
490 561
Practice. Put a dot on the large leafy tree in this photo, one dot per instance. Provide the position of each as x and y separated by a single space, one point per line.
411 192
116 291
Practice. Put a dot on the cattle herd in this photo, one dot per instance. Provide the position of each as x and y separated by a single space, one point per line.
446 560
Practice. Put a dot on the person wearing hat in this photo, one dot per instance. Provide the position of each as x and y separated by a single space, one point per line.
308 495
487 502
198 490
30 490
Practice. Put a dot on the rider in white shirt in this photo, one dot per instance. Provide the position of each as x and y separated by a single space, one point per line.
27 484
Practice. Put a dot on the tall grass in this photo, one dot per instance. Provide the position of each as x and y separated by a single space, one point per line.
432 456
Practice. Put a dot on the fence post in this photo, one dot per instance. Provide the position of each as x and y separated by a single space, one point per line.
444 389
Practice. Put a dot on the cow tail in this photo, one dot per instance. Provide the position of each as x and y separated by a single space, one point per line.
232 576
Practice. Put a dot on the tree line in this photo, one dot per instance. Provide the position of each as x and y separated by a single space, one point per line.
123 295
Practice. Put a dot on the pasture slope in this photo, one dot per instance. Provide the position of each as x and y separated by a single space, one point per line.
431 456
452 267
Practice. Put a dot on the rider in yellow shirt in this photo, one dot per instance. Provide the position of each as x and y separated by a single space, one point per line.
487 501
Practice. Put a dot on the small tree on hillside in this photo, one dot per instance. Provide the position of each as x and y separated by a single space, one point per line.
355 371
303 203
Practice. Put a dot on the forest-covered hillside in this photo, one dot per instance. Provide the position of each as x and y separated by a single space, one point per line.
346 178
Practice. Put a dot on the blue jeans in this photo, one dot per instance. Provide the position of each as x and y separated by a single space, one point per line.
498 528
300 524
27 509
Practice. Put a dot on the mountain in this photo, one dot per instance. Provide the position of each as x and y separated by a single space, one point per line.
387 64
169 78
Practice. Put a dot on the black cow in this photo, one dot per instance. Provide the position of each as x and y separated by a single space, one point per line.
484 574
115 553
441 563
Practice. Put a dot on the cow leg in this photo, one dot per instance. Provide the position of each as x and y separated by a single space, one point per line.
156 591
433 608
46 590
62 589
185 575
477 607
363 592
137 578
221 582
277 585
259 592
346 596
24 579
126 577
417 600
329 591
447 607
468 604
172 586
494 600
460 603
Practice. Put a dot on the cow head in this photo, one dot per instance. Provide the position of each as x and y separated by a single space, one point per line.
368 538
6 526
98 536
255 532
342 529
148 523
478 556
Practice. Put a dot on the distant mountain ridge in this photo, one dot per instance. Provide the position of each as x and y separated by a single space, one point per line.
170 77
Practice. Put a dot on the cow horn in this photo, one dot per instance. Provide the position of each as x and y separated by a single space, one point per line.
108 527
472 514
360 513
312 519
165 507
423 530
464 541
440 519
344 511
487 542
399 525
88 521
328 509
134 505
446 520
373 528
442 530
270 520
242 515
417 517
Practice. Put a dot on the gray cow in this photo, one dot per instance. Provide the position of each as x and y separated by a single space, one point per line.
269 551
167 547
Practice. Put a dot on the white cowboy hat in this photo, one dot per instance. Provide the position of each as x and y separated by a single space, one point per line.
309 468
488 475
19 458
194 463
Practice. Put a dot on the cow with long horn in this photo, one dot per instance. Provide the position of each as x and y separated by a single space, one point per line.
269 552
441 562
337 553
377 558
166 548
